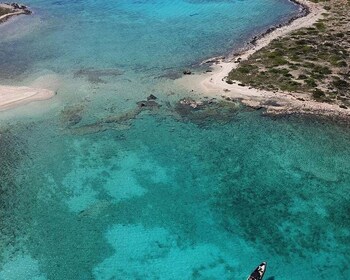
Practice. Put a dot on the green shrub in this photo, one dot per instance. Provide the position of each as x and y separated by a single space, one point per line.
302 77
320 26
4 11
245 69
322 69
340 84
342 63
311 82
318 94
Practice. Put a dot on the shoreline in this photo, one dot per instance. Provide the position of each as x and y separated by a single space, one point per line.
213 84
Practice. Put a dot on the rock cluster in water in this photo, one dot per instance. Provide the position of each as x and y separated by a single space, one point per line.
205 112
199 112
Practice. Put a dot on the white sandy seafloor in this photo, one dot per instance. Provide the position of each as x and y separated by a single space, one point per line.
20 268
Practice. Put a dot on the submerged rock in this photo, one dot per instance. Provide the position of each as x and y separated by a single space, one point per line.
214 60
191 103
71 115
148 104
95 75
205 112
172 75
151 97
118 121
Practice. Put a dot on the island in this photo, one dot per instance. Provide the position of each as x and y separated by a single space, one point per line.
299 67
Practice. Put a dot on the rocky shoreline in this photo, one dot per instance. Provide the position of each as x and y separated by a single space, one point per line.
304 11
12 9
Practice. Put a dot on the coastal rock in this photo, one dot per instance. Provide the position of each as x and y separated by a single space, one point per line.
191 103
187 72
213 60
17 6
272 103
203 113
27 12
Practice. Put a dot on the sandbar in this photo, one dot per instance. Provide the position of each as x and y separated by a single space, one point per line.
13 96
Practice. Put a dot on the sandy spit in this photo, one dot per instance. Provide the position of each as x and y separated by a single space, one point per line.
11 96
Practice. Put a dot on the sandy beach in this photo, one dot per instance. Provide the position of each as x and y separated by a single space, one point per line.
11 97
214 83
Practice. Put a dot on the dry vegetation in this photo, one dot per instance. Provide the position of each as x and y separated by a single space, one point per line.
312 60
4 11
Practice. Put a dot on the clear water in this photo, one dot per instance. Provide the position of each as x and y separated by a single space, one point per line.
92 188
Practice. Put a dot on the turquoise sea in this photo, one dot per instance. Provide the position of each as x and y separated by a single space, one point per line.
95 186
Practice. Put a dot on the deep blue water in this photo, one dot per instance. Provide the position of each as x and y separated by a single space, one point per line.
92 187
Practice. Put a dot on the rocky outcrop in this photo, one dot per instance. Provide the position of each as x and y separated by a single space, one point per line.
19 7
205 112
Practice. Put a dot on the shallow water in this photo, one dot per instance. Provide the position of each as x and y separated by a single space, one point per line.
174 199
95 187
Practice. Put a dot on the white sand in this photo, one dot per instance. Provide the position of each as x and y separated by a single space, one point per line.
214 83
11 97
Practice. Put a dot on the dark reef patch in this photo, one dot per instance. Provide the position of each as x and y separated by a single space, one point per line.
71 115
95 75
116 121
282 215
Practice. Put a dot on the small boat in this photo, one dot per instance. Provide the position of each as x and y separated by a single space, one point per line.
258 273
